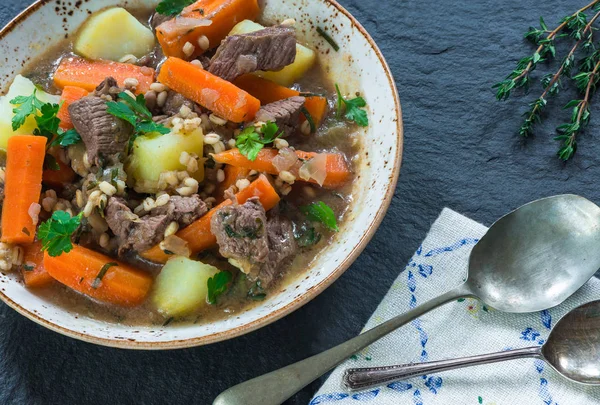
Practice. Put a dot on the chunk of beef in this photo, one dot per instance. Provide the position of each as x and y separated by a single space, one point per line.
140 234
184 210
242 234
269 49
174 103
282 245
103 134
253 243
285 113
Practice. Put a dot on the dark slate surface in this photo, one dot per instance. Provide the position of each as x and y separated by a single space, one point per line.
460 151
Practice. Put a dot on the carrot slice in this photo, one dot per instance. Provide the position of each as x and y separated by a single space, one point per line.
59 178
223 14
232 175
208 90
22 186
69 95
269 92
121 284
198 234
33 270
337 168
88 74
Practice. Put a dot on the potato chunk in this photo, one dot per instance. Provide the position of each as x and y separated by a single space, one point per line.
112 34
182 286
305 58
21 86
155 154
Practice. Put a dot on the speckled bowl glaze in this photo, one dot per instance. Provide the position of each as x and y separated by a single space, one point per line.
359 65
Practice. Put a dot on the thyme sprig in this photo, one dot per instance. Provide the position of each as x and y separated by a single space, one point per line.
520 77
576 27
580 116
551 83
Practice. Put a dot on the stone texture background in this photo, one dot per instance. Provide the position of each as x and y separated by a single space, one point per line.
460 151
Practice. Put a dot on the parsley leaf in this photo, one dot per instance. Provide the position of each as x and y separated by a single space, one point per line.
24 107
217 285
352 108
55 233
48 122
250 142
64 139
137 114
122 111
306 235
321 212
172 8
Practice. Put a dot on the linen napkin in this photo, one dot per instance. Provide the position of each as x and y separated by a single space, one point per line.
462 328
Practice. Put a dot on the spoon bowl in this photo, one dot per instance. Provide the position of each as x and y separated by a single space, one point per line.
538 255
572 349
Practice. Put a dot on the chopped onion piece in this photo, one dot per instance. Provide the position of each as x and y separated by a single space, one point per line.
183 25
315 168
285 160
176 246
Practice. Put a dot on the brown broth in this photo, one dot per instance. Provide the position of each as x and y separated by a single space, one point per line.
331 136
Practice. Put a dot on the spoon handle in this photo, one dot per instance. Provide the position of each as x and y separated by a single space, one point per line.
287 381
361 378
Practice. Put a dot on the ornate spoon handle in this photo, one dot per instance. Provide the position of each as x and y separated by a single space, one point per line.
360 378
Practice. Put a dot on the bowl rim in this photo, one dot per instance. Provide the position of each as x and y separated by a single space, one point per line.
296 303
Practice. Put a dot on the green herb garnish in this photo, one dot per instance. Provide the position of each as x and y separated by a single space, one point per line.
24 107
64 139
101 274
172 8
352 108
306 235
168 321
48 121
321 212
46 118
137 114
256 292
28 267
309 118
250 142
55 234
217 285
328 38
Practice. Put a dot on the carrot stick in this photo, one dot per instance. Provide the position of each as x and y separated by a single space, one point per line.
121 284
232 175
33 270
198 234
88 74
224 14
22 186
58 178
69 95
269 92
208 90
337 168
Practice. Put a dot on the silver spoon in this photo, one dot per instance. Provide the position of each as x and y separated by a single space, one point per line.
530 260
572 349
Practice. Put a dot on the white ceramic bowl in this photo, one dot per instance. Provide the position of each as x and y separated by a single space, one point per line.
359 65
